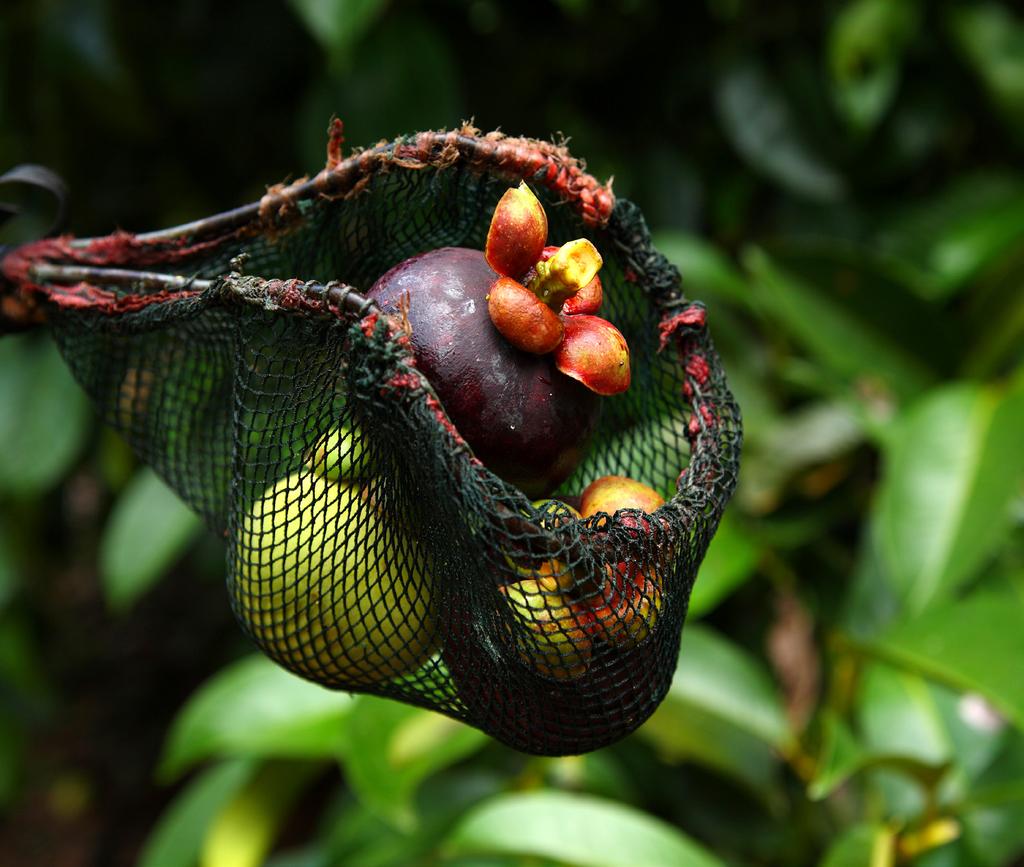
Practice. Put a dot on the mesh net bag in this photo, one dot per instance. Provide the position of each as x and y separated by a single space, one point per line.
368 549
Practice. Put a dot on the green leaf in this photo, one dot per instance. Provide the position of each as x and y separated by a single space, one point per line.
974 243
870 602
310 855
498 860
358 835
688 733
764 129
243 832
707 273
851 346
812 435
991 38
948 854
601 773
255 708
842 755
901 711
730 560
897 712
943 241
393 747
176 839
718 675
575 829
995 835
874 293
149 529
952 468
901 714
44 415
337 24
1002 780
998 321
862 846
974 644
865 46
909 725
993 815
863 98
722 711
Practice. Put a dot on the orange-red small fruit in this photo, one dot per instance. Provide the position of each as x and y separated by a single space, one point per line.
611 493
517 234
594 352
522 318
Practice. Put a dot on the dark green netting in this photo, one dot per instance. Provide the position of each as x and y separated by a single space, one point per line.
242 383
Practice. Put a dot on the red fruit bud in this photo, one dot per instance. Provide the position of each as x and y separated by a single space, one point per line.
594 352
522 318
519 228
587 300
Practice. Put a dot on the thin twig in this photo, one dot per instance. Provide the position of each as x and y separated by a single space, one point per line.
340 295
46 272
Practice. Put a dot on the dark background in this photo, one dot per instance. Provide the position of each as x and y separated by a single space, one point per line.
840 182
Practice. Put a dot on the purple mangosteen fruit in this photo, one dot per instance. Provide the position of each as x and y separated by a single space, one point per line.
528 422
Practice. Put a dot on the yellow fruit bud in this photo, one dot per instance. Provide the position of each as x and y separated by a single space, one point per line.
570 269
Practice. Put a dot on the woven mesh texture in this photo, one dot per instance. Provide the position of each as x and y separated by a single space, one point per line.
367 549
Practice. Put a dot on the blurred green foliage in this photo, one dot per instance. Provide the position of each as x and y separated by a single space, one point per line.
840 182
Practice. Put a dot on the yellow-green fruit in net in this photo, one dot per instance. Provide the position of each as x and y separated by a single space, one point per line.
329 587
339 455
